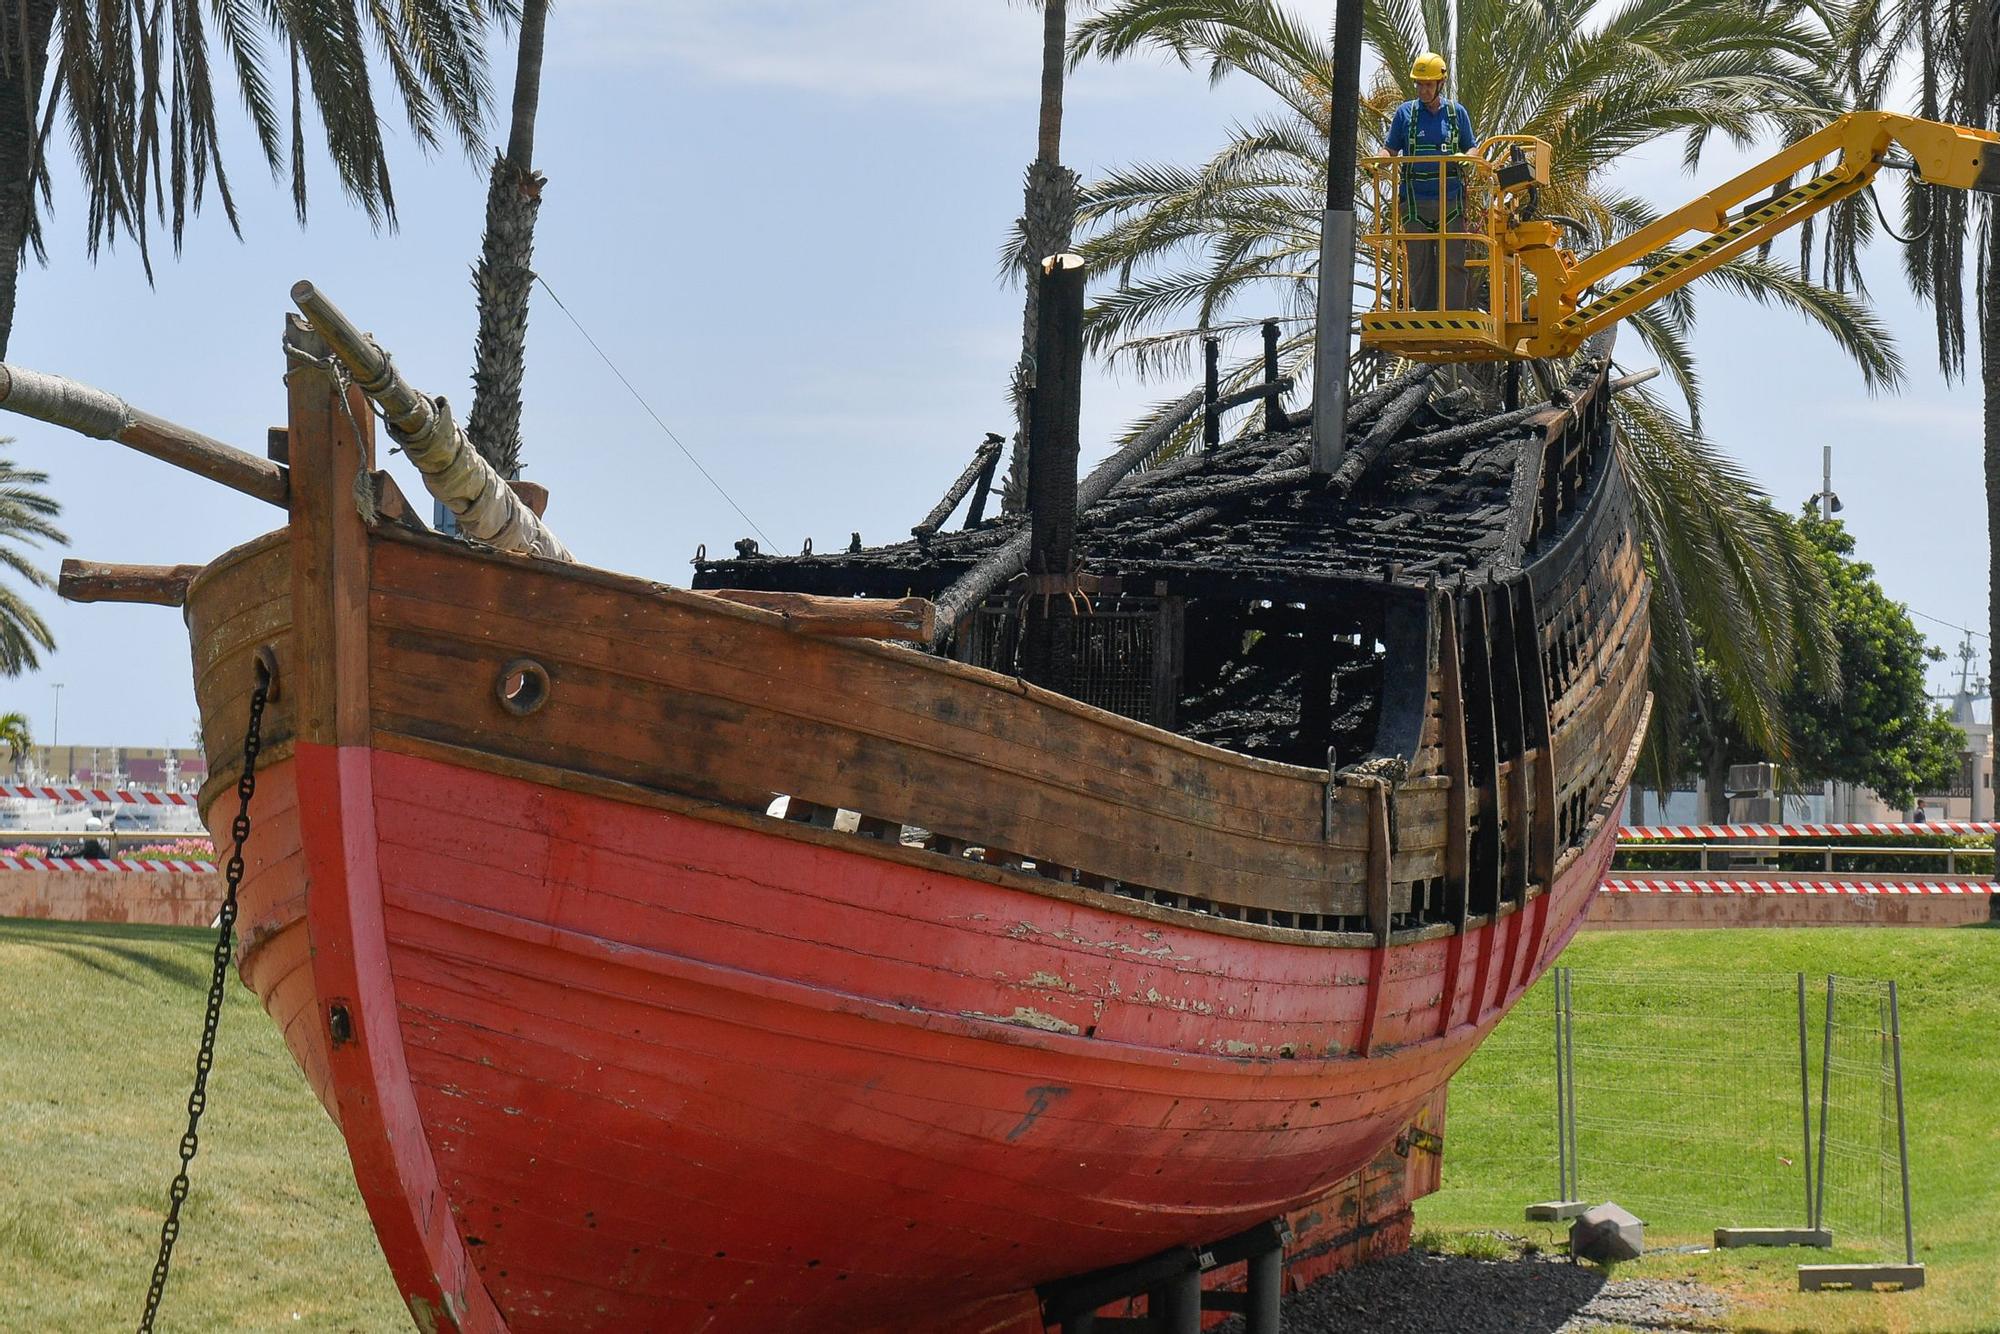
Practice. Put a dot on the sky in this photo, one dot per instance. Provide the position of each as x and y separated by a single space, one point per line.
780 219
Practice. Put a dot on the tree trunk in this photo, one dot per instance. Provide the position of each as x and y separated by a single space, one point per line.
1715 785
1047 219
1055 35
1989 375
504 276
21 76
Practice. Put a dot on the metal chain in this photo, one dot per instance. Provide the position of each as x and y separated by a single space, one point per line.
239 830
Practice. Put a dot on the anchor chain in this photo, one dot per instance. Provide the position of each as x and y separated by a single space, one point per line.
239 830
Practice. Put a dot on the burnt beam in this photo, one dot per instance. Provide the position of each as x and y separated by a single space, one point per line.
1054 414
983 462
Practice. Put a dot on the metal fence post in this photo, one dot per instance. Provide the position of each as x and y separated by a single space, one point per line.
1825 1077
1569 1059
1805 1101
1902 1126
1562 1111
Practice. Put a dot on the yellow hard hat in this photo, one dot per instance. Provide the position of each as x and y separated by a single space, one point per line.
1429 65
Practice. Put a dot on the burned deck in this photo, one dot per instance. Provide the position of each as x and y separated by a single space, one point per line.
1228 596
1437 502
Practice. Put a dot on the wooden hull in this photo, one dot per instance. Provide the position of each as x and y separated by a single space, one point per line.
675 1074
1014 988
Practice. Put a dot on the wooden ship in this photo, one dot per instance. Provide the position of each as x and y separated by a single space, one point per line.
959 935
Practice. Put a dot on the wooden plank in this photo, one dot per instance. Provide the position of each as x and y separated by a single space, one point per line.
97 581
1380 853
1379 924
910 619
904 738
238 603
1535 710
331 446
1451 698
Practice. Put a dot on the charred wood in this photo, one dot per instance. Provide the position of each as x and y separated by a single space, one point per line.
983 460
1054 416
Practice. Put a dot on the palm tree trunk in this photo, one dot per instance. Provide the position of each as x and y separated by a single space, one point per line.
504 276
1048 217
1989 374
21 76
1715 784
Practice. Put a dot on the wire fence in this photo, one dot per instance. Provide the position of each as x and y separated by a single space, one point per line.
1858 1176
1689 1093
1752 1102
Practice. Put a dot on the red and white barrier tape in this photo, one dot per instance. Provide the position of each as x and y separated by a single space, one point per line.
129 796
1655 832
103 864
1828 887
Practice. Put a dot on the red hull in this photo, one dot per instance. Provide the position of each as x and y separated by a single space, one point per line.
676 1074
612 1049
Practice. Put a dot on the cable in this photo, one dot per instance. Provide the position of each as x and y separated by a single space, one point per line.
1947 623
1921 233
654 415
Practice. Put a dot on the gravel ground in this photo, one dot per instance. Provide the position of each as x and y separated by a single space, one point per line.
1423 1293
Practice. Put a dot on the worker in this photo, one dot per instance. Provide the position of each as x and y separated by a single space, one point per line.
1428 125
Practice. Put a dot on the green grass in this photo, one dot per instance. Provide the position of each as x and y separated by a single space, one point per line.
98 1026
1501 1114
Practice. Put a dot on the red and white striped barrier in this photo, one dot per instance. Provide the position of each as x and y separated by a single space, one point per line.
1660 832
103 864
129 796
1623 885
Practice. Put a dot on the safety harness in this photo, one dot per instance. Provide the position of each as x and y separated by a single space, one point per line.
1450 148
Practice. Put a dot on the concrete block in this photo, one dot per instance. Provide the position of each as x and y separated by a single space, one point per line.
1555 1211
1606 1233
1861 1278
1728 1237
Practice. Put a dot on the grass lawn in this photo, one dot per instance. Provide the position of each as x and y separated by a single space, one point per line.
1500 1124
98 1026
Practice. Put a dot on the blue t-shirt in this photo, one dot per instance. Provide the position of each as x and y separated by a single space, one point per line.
1432 135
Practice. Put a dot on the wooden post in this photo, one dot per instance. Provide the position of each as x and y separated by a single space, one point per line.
330 445
976 511
1054 411
983 462
1274 411
1211 415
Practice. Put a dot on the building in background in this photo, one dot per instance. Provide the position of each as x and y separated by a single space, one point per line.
177 767
1756 795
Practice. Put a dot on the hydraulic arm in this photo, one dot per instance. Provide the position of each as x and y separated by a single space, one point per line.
1543 301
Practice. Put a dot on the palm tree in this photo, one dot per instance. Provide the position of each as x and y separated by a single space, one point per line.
505 277
26 515
1200 245
1948 52
1048 217
14 735
135 85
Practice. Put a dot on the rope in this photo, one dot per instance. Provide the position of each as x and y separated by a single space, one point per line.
654 415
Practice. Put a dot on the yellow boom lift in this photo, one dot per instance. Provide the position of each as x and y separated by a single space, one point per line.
1543 301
